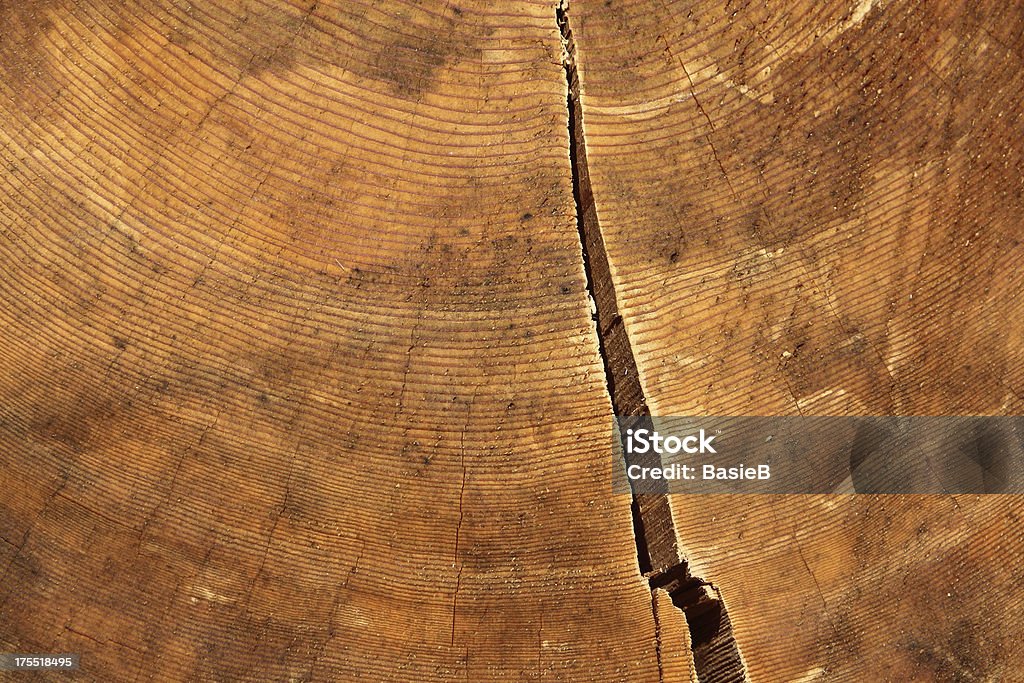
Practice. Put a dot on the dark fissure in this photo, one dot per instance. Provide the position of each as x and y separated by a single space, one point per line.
715 654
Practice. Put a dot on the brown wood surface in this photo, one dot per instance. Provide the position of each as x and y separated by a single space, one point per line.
814 208
299 371
298 378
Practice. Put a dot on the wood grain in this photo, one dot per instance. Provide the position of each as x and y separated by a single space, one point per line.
299 375
298 378
814 208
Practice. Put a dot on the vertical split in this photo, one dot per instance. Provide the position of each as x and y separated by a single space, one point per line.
715 654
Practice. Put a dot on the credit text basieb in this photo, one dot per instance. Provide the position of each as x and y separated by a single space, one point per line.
642 441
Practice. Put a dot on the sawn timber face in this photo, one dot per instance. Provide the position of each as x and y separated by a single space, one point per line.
815 208
288 289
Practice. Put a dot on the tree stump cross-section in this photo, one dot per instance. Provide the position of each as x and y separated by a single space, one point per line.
314 316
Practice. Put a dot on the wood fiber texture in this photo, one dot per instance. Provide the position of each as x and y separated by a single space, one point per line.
814 208
299 371
298 378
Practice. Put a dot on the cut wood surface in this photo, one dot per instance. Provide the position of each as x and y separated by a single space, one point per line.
299 371
814 208
298 377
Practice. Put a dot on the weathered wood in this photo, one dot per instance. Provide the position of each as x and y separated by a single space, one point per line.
815 208
298 373
298 378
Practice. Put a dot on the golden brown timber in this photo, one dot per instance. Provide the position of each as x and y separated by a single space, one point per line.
814 208
299 379
299 371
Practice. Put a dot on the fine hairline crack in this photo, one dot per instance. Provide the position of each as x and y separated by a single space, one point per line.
716 656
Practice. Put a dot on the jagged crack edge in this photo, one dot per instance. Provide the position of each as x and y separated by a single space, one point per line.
708 671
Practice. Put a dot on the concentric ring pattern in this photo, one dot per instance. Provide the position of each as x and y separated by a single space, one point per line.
287 289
